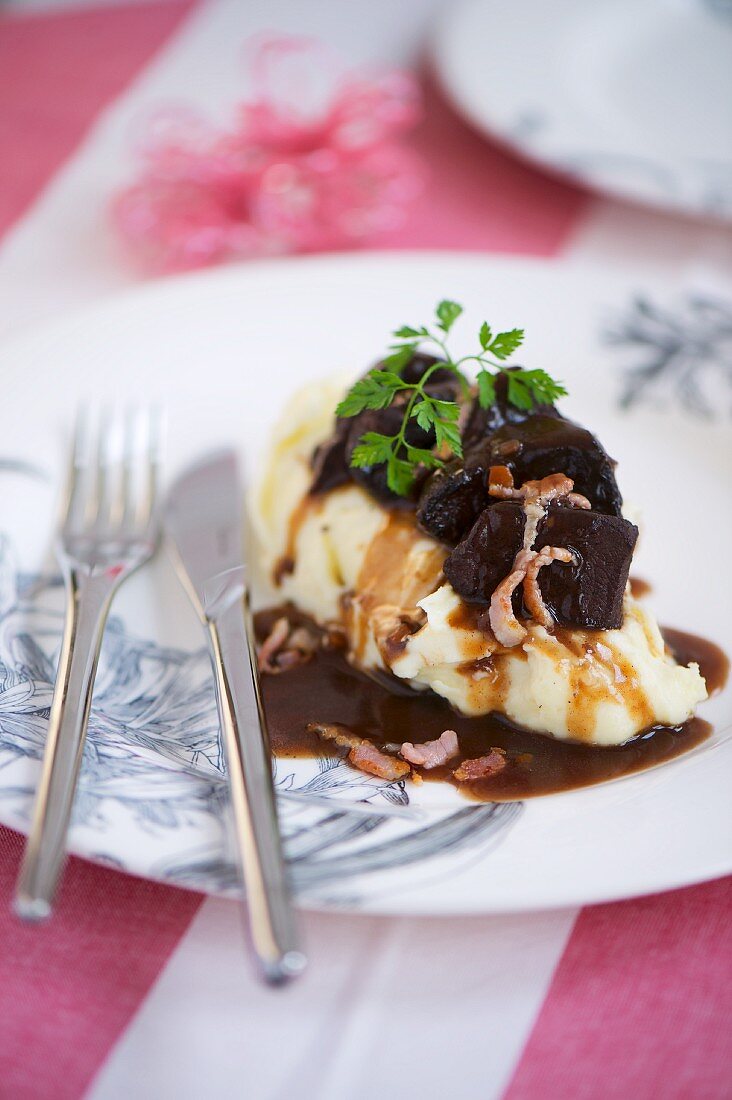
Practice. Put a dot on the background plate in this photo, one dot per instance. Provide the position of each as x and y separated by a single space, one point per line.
223 351
633 99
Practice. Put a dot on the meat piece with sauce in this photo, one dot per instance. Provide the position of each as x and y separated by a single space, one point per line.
532 448
329 462
587 593
454 497
548 444
485 556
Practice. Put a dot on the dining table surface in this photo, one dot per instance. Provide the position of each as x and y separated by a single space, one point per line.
139 989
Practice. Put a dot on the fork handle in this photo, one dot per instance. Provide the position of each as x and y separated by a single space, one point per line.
249 762
88 600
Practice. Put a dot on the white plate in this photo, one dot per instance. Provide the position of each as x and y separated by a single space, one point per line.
224 350
633 99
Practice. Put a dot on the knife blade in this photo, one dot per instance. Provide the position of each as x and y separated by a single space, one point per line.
204 521
203 516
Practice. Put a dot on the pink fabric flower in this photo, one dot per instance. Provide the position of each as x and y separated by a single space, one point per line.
313 161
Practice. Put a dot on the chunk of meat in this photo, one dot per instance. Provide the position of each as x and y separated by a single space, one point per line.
453 498
482 767
432 754
482 423
532 447
548 444
329 462
469 565
486 554
589 593
367 758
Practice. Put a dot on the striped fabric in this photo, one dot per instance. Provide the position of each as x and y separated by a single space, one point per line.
139 990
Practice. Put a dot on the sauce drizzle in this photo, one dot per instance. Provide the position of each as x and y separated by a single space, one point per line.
329 690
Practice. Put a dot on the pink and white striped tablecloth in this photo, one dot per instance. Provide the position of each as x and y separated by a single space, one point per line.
139 990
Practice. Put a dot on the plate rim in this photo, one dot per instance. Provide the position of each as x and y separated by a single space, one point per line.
114 301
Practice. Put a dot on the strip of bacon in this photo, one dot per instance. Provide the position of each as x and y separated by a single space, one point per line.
367 758
552 487
432 754
578 501
532 593
500 484
504 624
344 737
363 754
482 767
272 644
285 648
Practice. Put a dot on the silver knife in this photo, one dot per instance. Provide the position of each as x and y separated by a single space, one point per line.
204 518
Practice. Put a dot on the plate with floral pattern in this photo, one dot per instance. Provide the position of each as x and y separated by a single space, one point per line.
645 364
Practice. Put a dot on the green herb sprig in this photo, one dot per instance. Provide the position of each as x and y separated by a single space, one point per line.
383 386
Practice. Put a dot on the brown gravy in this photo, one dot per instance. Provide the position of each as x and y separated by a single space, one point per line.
639 587
713 662
286 564
384 710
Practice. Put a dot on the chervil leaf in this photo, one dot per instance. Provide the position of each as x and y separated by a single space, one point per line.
544 388
486 389
447 313
375 391
399 475
446 410
406 332
447 434
485 335
398 359
424 413
519 393
419 455
373 448
506 343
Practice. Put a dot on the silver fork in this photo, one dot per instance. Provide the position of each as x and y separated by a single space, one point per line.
109 528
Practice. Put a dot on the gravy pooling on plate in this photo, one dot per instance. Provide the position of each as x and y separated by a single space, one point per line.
326 689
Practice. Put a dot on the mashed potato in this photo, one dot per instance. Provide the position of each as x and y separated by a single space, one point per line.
343 558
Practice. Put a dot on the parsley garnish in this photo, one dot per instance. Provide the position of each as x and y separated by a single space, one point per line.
384 386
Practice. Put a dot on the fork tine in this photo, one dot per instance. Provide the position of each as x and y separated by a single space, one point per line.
104 472
153 444
75 493
122 510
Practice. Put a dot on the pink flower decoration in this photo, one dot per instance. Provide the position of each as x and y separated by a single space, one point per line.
312 162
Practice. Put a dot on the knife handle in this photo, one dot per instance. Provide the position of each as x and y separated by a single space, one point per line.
272 922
